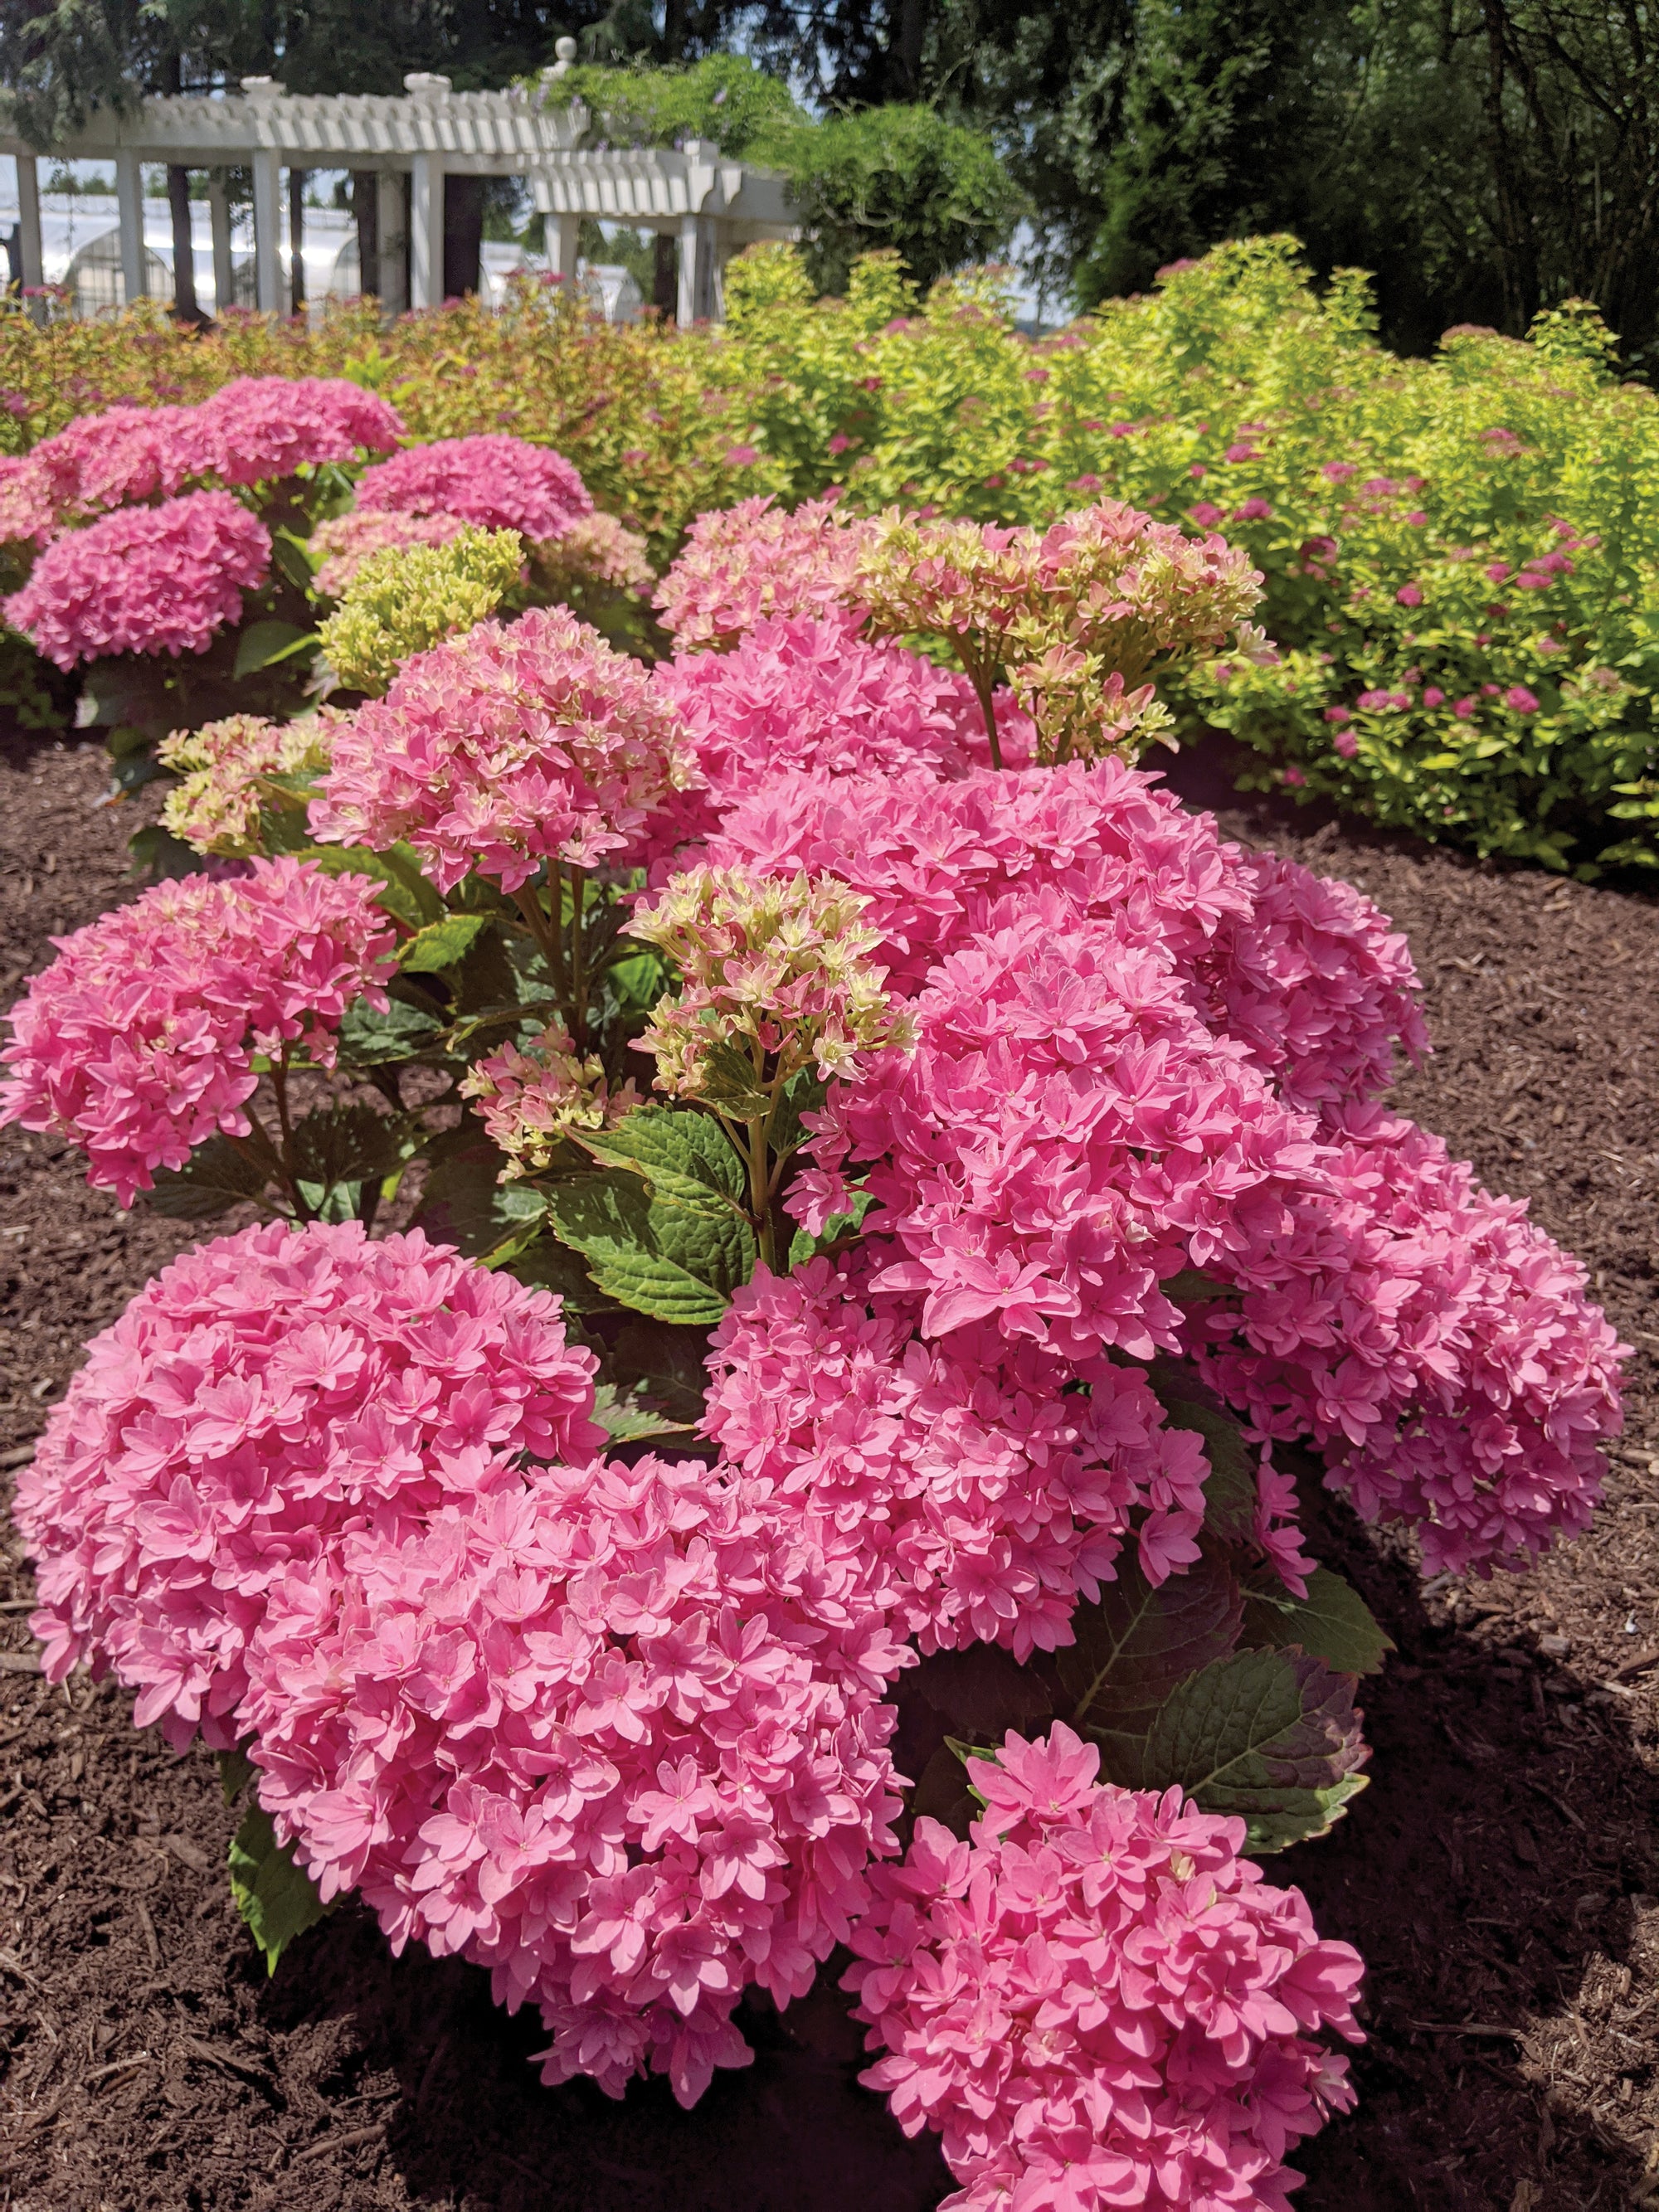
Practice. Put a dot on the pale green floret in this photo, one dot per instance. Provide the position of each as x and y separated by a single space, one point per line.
406 598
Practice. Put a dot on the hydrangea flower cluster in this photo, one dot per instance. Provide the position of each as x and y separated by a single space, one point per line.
262 1396
127 454
342 545
404 599
1439 1348
741 565
498 482
596 549
991 1483
145 580
138 1042
530 1095
258 429
598 1731
802 696
777 971
224 770
27 514
1097 2001
518 743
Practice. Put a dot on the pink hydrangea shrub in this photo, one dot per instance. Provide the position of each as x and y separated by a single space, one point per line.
517 743
262 1396
1436 1344
496 481
258 428
145 580
744 564
989 1491
138 1042
801 696
1096 2002
601 1731
344 544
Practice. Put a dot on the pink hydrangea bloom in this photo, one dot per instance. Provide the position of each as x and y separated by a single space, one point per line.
740 565
258 428
531 1096
987 1490
27 516
1096 2002
128 453
1437 1347
138 1042
493 480
346 542
801 694
262 1396
519 742
602 1731
145 579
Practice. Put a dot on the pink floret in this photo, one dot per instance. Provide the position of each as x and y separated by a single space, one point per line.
259 429
146 579
494 481
1096 2002
745 564
128 453
262 1396
138 1042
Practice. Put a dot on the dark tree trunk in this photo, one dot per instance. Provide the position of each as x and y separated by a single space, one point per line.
366 209
904 50
296 238
463 203
665 275
184 251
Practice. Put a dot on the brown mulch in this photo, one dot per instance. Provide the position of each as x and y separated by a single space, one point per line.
1501 1875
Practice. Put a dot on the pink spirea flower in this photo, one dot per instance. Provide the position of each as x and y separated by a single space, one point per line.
742 564
1306 974
259 1397
989 1491
613 1732
1520 701
1433 1342
257 429
138 1042
496 481
801 694
346 542
1097 2001
517 743
145 580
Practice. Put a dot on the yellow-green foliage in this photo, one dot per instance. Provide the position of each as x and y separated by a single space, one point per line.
406 598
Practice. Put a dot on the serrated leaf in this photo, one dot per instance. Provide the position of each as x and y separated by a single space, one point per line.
1333 1622
236 1771
727 1083
210 1182
345 1144
262 644
442 944
625 1420
804 1247
678 1261
686 1157
275 1896
372 1038
463 1204
1270 1737
803 1094
662 1367
1139 1643
983 1691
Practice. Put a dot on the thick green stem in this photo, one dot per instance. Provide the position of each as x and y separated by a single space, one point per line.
578 961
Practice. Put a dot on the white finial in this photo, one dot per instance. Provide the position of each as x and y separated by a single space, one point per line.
426 81
564 53
263 87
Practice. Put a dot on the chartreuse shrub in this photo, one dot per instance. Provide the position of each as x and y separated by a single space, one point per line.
978 1177
1458 554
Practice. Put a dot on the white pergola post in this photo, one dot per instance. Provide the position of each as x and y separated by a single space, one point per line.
561 232
130 215
30 255
696 290
426 230
390 283
267 217
224 265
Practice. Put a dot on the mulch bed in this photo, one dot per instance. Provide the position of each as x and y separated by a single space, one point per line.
1501 1877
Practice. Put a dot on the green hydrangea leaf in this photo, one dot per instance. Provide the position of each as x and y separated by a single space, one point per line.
372 1038
275 1896
675 1259
1139 1643
686 1157
1229 1494
212 1180
264 644
1333 1622
345 1144
1270 1737
441 944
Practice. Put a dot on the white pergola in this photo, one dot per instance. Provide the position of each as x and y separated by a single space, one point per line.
714 206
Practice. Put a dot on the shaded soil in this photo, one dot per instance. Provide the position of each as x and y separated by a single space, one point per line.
1501 1876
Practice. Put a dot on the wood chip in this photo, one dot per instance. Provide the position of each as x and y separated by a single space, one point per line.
1636 1666
353 2139
1465 2027
19 1456
216 2054
118 2066
187 1854
20 1663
